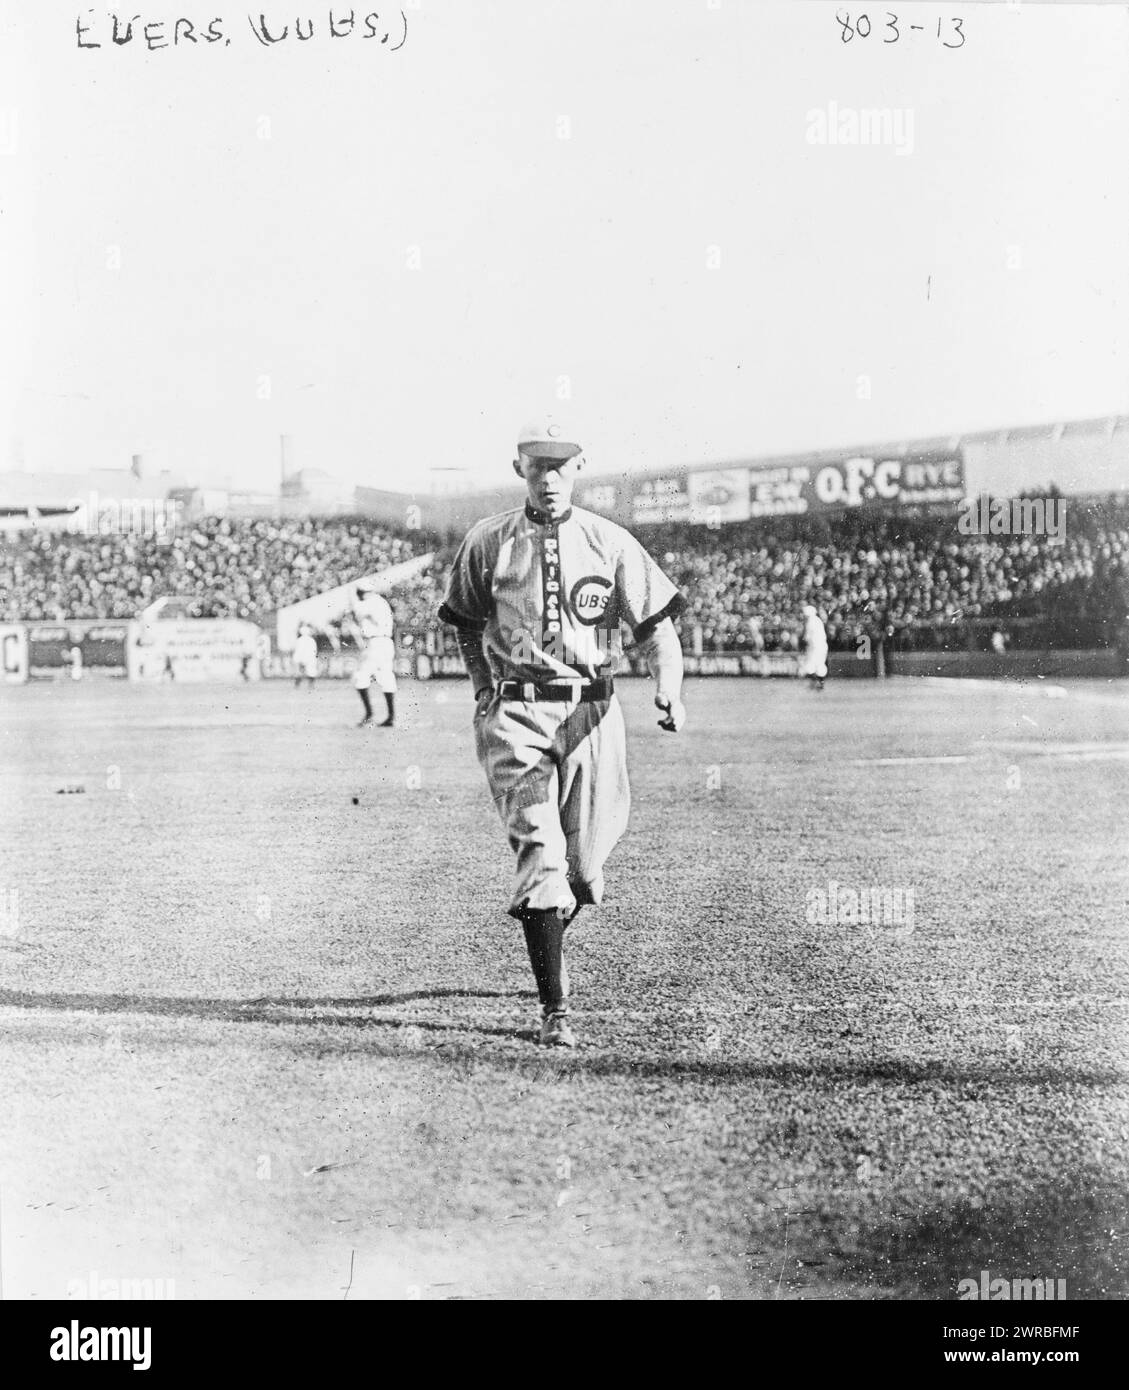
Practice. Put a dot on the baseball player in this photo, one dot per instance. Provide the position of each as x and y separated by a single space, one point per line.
536 597
813 658
305 658
373 627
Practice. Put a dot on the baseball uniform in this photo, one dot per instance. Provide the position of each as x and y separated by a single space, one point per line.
548 598
373 617
306 656
813 658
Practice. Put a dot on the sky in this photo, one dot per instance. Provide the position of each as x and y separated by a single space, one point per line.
647 217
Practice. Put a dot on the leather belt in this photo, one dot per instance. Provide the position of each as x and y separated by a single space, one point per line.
575 691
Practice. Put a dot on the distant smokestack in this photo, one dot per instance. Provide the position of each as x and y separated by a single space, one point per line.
137 466
287 443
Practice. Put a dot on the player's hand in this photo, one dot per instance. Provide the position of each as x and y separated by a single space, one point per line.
675 712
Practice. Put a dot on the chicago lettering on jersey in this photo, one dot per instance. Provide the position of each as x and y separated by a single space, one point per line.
551 575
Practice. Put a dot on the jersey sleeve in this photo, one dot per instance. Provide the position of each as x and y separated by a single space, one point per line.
644 595
468 599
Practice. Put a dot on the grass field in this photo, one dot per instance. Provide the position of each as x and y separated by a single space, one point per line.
267 1031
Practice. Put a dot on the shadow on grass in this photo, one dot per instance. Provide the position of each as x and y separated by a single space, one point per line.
360 1032
285 1010
1076 1235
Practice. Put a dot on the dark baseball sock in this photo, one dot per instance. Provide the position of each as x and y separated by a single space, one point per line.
366 702
390 701
544 940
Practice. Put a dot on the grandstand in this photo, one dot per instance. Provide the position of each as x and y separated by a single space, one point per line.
893 570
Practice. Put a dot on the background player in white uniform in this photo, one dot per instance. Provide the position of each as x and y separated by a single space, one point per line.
305 658
537 596
813 658
373 627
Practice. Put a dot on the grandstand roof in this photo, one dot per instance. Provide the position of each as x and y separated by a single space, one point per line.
1097 434
1078 457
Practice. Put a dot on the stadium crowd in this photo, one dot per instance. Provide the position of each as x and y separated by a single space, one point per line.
911 580
908 580
224 567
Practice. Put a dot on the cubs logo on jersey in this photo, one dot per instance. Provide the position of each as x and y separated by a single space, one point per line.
589 598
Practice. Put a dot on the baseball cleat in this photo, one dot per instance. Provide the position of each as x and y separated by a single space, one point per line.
366 720
387 724
555 1030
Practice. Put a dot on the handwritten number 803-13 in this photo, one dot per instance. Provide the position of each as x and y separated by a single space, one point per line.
862 28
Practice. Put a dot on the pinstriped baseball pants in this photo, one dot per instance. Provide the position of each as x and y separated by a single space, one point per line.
558 775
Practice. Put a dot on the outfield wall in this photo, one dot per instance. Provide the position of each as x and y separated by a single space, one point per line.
185 649
1096 664
219 650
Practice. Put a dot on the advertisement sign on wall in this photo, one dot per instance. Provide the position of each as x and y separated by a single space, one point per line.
661 499
76 647
198 649
13 654
713 497
859 481
719 495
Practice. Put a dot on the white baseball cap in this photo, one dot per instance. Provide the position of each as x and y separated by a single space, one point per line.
547 437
